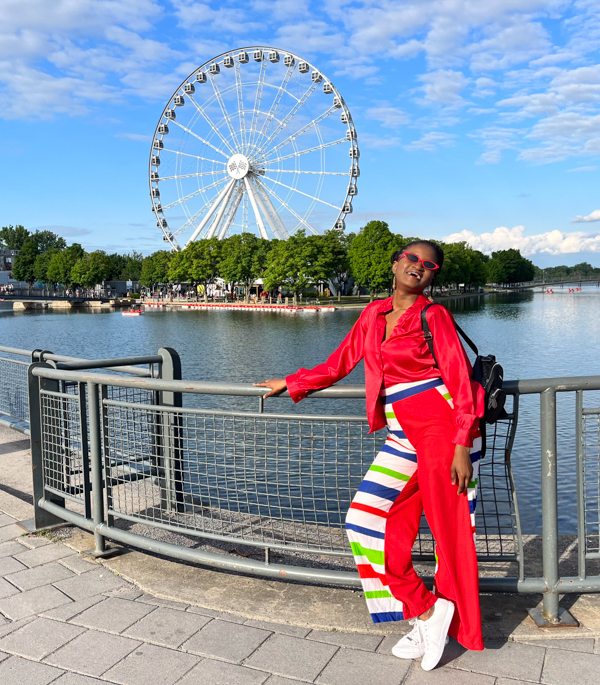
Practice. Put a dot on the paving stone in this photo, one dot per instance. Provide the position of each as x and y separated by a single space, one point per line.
43 555
7 589
3 656
221 673
167 627
10 532
449 676
223 615
67 611
289 656
353 640
5 520
357 667
40 575
93 652
124 592
38 638
113 615
10 626
278 680
159 602
32 602
7 549
17 671
563 668
76 679
89 584
35 541
283 628
10 565
581 644
508 659
229 641
78 564
389 641
152 664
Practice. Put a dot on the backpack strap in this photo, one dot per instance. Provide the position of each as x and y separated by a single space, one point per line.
429 337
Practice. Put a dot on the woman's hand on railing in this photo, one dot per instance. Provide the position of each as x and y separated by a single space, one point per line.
276 385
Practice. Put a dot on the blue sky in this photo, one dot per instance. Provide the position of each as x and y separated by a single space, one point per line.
476 119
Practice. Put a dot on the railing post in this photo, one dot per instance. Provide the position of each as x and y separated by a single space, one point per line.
551 614
42 520
98 513
171 485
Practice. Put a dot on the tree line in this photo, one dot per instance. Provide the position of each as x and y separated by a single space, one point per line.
45 257
294 265
582 270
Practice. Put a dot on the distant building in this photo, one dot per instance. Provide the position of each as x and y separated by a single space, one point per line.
7 259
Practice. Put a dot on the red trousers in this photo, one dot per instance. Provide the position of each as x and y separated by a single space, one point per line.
426 420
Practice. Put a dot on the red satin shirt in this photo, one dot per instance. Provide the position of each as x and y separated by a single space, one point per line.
403 358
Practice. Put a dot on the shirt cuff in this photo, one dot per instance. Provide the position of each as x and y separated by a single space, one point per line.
294 388
462 436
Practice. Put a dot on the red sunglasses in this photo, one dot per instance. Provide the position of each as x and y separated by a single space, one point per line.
427 263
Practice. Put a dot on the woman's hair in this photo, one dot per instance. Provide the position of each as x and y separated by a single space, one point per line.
439 253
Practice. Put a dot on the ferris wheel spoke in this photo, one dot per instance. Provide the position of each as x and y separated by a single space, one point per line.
304 129
211 124
211 211
300 171
312 197
273 109
284 122
192 219
265 211
223 109
200 191
232 211
202 140
290 210
257 101
187 154
221 212
283 230
240 98
305 152
199 173
258 217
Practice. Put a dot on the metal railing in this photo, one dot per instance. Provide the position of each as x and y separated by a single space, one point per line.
121 456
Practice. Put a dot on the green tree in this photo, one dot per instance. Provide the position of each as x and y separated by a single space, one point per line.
46 240
41 265
333 253
242 260
13 237
294 263
508 266
91 269
117 266
155 269
24 267
197 263
61 264
369 255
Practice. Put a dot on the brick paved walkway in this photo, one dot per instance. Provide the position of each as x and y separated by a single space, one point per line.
66 620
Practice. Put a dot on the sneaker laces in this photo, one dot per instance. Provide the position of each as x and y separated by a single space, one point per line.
415 633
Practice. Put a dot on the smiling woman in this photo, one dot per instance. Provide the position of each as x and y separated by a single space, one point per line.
428 463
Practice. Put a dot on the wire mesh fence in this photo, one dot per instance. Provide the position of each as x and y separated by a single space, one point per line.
590 487
13 389
271 480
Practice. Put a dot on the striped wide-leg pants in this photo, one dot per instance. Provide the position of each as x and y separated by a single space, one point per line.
393 478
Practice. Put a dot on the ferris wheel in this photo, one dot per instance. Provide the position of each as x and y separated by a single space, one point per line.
255 140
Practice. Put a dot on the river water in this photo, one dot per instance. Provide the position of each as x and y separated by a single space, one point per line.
533 335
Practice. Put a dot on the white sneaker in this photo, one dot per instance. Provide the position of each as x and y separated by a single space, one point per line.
411 646
434 632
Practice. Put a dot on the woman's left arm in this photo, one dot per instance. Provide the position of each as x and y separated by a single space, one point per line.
467 396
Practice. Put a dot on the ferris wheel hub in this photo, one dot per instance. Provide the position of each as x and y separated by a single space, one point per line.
238 166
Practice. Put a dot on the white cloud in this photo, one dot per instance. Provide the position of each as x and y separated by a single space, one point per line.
390 117
582 168
443 87
594 216
141 137
553 242
431 141
369 140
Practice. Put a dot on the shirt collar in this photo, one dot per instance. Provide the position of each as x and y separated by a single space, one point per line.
386 305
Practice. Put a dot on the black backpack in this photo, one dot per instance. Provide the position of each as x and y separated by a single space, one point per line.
486 371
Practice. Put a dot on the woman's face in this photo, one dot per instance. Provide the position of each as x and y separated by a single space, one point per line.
414 277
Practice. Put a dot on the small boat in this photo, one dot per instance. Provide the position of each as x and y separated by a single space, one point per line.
132 312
